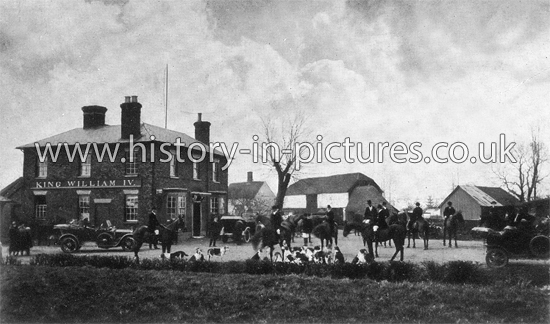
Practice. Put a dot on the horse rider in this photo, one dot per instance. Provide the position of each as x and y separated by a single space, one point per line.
449 211
276 219
153 223
491 219
383 213
416 215
370 212
330 218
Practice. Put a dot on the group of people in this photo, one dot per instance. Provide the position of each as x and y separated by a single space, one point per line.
506 218
20 239
377 215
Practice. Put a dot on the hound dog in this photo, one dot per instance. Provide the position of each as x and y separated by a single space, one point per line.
363 257
197 256
338 255
174 255
217 251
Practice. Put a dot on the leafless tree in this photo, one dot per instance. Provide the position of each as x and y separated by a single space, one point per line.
257 205
522 178
281 137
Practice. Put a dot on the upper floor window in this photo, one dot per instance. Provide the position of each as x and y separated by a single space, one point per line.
131 208
42 168
196 166
132 164
86 166
173 164
216 170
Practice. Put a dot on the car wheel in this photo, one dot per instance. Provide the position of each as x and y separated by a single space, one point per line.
246 235
69 245
540 246
128 243
496 258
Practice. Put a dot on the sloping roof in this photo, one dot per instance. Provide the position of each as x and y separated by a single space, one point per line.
244 190
12 188
358 199
111 134
339 183
484 196
500 195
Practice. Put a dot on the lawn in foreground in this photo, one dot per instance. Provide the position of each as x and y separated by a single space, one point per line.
85 294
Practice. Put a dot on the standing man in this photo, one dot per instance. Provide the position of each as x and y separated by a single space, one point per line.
449 211
215 229
330 219
370 212
153 223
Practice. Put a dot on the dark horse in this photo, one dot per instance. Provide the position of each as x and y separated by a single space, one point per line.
322 231
288 228
452 223
265 236
166 235
420 227
395 232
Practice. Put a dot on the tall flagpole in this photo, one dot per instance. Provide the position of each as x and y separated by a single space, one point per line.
166 99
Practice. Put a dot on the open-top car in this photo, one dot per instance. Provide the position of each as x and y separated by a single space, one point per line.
239 228
72 236
513 243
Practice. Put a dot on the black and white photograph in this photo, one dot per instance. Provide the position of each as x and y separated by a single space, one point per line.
275 161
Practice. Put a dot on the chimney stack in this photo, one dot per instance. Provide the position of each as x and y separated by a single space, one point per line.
94 116
250 177
202 130
130 118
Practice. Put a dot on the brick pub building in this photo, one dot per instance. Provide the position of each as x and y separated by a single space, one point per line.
120 190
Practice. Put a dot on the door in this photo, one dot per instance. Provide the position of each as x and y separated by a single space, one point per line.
196 219
102 214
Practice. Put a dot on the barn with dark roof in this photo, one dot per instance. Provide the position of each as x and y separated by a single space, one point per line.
312 195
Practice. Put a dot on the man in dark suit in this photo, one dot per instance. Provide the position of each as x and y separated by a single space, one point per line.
276 218
449 211
153 223
382 215
370 212
330 218
416 215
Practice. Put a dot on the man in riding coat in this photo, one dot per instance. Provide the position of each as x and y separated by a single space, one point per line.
416 215
370 212
153 223
276 218
383 213
449 211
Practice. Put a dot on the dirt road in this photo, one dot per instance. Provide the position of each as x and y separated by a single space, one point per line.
466 251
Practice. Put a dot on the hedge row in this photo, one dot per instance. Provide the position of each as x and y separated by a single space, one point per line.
456 272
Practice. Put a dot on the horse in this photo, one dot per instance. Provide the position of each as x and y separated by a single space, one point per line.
452 223
322 231
395 232
288 228
422 227
265 236
166 235
20 240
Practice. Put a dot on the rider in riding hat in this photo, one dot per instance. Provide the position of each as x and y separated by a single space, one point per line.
276 218
416 215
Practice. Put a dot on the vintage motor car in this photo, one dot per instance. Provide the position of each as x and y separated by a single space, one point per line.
238 228
72 236
513 243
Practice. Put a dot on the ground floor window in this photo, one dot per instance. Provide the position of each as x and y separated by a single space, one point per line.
131 208
217 205
175 205
40 207
84 207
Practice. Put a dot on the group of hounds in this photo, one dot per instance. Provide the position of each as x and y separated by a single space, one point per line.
295 255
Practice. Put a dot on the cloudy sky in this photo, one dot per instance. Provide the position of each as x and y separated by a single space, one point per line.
373 71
